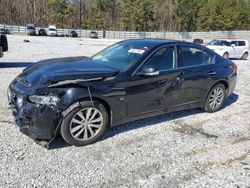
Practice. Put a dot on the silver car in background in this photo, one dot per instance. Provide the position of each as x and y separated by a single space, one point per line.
230 48
31 30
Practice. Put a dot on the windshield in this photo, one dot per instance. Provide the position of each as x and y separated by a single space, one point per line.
122 56
52 29
219 43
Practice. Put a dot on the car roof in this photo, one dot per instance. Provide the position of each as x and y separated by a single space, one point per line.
232 39
156 42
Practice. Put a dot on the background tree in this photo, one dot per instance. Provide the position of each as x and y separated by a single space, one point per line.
57 12
224 15
186 13
103 12
137 15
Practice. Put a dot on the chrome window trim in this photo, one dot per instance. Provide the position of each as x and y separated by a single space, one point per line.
177 57
150 55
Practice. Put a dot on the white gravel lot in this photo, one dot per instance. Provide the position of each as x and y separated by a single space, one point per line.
184 149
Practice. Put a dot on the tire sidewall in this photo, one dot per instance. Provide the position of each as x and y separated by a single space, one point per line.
245 56
207 106
65 127
226 55
4 43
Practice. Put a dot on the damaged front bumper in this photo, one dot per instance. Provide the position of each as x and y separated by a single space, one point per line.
40 122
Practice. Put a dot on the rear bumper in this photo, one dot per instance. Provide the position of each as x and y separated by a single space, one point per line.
52 34
232 84
31 32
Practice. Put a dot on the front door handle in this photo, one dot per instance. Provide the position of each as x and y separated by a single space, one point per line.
177 83
212 73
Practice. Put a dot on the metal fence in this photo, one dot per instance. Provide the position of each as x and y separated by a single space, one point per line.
137 35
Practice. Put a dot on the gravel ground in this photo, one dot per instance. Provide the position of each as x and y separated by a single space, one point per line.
184 149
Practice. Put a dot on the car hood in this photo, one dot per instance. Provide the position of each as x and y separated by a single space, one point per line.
64 69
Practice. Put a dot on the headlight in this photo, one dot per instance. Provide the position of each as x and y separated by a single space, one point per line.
49 100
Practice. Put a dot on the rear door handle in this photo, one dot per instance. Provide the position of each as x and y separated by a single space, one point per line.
212 73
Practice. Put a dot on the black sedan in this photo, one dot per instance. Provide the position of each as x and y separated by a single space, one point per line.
3 44
4 31
42 32
73 34
81 97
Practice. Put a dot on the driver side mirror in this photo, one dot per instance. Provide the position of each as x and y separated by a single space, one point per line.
149 72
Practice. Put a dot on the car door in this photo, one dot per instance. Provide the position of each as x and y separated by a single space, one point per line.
234 50
155 85
198 69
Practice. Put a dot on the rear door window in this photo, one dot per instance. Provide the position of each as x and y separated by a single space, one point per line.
193 56
208 57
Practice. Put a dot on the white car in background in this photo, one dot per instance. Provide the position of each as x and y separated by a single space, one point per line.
52 31
230 48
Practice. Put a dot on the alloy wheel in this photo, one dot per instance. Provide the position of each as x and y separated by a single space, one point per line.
86 124
245 56
216 98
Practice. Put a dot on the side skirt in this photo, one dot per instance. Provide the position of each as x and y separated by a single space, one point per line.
160 112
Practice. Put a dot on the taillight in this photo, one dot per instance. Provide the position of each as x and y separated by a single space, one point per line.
234 67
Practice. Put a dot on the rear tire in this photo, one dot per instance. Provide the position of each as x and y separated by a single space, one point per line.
226 55
4 43
245 56
215 99
86 124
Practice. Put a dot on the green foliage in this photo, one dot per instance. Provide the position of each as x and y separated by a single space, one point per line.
224 15
58 11
143 15
101 10
137 14
186 13
95 22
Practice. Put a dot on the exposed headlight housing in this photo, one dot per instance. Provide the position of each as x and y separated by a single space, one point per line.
49 100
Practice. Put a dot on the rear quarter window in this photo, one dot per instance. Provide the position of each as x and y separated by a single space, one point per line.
193 56
242 43
239 43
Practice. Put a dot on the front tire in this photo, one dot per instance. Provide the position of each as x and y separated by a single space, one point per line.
245 56
85 124
215 98
4 42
